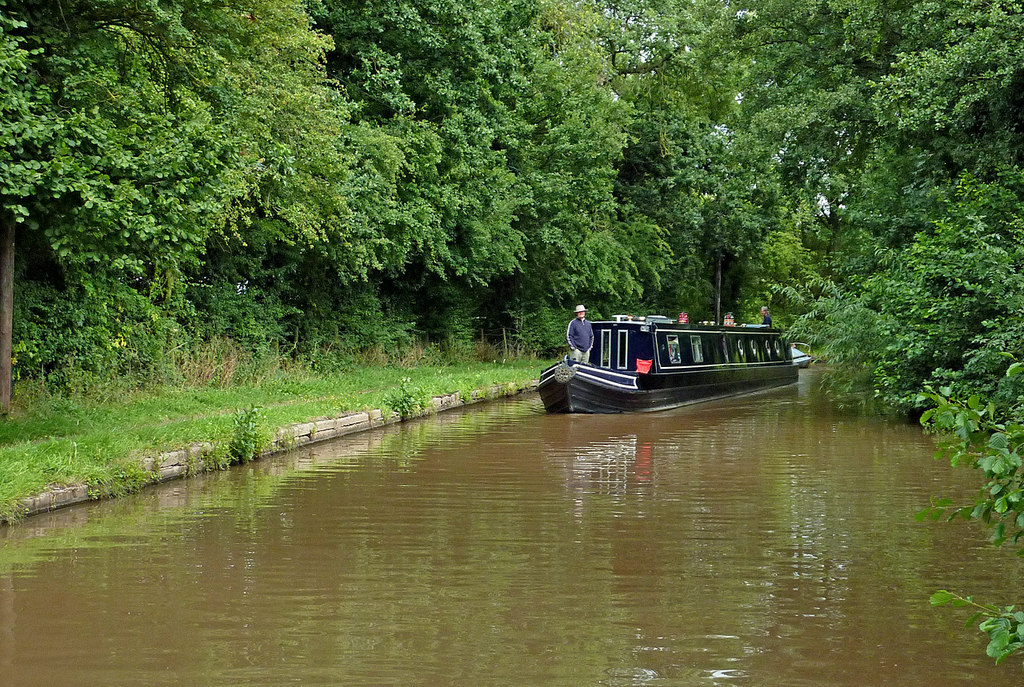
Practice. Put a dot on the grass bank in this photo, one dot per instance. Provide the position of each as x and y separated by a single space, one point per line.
56 441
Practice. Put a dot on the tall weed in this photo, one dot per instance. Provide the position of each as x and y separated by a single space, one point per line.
250 435
408 399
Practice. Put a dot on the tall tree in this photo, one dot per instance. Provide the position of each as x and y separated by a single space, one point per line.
139 127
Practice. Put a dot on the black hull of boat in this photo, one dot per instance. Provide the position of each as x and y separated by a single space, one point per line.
566 388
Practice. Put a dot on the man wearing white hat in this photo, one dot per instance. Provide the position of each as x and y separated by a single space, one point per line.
580 336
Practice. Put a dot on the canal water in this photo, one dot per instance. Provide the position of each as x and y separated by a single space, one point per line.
764 540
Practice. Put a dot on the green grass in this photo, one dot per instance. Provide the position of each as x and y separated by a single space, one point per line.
60 441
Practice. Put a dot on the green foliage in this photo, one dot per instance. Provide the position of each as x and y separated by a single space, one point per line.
438 76
843 329
813 68
251 315
543 330
307 181
406 400
178 127
106 330
22 122
980 440
956 90
687 169
1004 626
249 435
782 259
942 310
976 436
952 291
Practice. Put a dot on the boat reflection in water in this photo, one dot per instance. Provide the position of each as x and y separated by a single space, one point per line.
656 364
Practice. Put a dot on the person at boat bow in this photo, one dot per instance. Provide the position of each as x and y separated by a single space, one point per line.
580 336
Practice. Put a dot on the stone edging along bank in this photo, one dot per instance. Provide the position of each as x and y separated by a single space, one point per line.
189 461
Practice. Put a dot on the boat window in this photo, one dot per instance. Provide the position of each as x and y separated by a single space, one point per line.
753 349
778 349
767 349
673 349
623 349
698 351
741 352
606 348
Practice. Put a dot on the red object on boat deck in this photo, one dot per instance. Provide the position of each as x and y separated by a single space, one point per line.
684 318
643 366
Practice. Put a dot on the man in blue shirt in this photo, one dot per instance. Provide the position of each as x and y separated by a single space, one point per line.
580 336
766 319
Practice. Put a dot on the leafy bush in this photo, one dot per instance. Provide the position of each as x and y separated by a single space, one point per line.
249 436
102 329
544 330
407 399
251 316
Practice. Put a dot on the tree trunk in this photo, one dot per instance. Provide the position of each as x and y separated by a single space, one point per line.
6 311
718 289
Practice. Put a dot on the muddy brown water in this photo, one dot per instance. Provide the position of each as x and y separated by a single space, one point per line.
764 540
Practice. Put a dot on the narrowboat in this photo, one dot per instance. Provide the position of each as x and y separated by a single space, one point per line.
653 363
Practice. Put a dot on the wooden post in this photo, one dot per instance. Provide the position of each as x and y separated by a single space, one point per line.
6 311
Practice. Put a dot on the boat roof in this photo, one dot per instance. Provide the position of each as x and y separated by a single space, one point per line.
663 323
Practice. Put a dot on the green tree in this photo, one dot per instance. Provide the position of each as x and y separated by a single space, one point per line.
955 92
950 293
149 126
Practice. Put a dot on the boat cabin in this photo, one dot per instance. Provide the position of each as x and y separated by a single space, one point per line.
669 346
